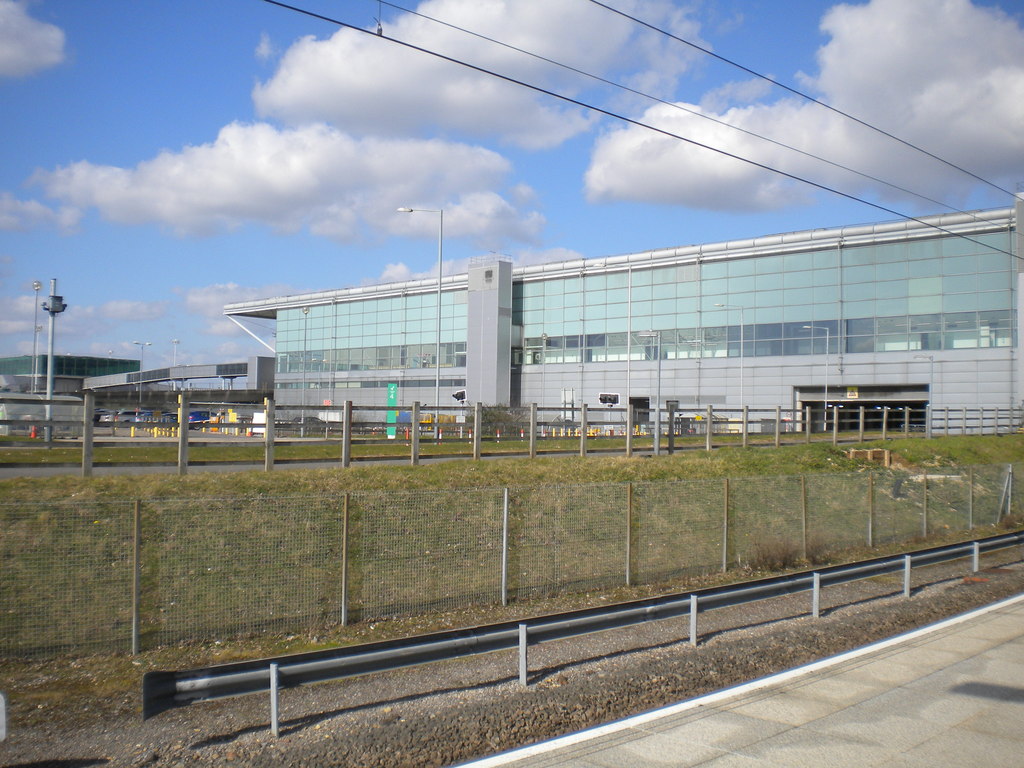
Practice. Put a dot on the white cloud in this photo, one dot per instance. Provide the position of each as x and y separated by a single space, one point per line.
207 302
265 49
366 84
23 215
26 44
312 176
943 74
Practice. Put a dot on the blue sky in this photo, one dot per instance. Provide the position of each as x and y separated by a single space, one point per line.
163 159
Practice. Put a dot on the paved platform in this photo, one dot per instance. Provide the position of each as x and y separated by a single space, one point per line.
951 694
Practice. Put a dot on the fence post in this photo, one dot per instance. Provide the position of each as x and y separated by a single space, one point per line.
414 437
871 509
885 422
346 435
344 559
778 425
807 424
478 422
860 424
709 428
504 547
583 430
1009 490
970 497
183 408
268 435
906 420
835 425
671 429
725 526
744 414
924 506
630 419
629 534
136 576
89 407
533 430
803 515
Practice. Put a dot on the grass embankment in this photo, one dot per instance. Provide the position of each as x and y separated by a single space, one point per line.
722 462
108 681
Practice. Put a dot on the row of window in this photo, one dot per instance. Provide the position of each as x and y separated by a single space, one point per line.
398 356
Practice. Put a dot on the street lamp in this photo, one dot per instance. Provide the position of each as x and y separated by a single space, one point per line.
828 332
742 343
931 392
142 352
657 403
36 328
437 351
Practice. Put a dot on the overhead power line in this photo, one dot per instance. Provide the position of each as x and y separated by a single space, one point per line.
801 94
674 105
625 119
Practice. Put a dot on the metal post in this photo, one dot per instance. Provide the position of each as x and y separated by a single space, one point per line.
970 498
183 433
835 425
709 427
744 414
976 557
346 435
778 426
136 576
344 559
860 424
414 437
523 657
671 427
583 430
275 725
533 430
88 409
816 596
924 506
693 620
478 421
807 424
907 564
803 515
725 525
268 435
629 534
885 422
871 509
504 547
630 420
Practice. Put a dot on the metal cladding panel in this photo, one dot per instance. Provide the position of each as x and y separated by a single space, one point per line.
489 333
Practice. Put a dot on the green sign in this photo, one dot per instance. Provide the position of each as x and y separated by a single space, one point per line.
392 417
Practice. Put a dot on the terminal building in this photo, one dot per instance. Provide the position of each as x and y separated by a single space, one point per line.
900 314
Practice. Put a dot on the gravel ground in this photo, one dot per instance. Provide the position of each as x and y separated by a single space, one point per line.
446 713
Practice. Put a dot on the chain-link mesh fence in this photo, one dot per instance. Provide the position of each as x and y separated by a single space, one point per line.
84 576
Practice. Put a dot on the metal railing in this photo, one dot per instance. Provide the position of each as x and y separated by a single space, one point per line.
352 434
165 690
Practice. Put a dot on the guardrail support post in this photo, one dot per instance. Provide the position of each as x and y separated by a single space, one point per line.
816 596
693 620
907 564
275 725
523 664
976 558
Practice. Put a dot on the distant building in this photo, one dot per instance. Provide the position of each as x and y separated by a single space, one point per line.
19 374
897 314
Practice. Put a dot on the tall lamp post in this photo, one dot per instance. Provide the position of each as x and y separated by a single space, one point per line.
931 392
828 333
657 402
36 286
742 344
142 352
437 351
54 305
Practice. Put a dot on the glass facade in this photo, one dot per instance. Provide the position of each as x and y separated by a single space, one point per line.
931 294
387 333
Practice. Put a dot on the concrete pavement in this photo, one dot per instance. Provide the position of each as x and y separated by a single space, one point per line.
947 695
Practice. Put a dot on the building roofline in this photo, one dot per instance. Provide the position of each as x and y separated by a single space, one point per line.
973 222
